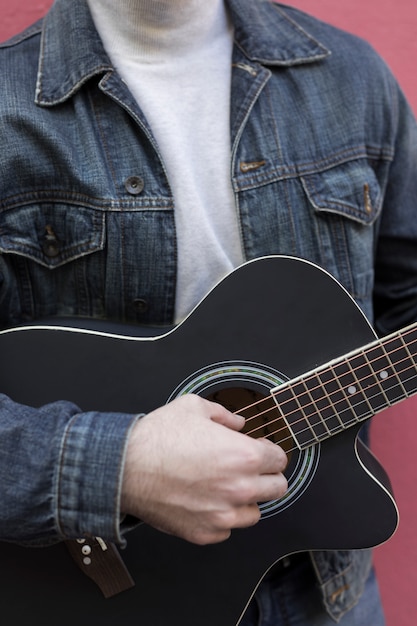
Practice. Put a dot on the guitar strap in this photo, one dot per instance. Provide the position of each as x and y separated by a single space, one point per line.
101 562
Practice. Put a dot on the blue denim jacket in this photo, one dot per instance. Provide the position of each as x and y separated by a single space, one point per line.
323 166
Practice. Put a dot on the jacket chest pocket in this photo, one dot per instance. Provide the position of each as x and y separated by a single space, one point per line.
327 216
350 190
52 261
346 203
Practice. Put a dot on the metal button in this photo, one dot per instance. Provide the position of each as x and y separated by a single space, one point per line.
50 245
134 185
140 305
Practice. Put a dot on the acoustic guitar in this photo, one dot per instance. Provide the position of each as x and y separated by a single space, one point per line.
278 340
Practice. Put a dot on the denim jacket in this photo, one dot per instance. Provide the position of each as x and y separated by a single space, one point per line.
323 166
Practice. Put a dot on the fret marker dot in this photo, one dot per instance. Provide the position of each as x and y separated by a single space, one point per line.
352 389
383 374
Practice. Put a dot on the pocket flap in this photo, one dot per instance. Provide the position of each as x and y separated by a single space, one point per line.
52 234
350 189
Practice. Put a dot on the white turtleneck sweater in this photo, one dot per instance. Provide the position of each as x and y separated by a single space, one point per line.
175 57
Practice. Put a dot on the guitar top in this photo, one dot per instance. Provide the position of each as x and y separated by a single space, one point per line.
280 341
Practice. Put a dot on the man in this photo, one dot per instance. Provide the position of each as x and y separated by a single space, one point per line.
121 125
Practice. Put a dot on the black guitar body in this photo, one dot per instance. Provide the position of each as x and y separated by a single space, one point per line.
269 321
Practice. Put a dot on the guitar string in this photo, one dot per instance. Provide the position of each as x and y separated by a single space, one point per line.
372 374
360 393
353 405
316 439
309 428
342 389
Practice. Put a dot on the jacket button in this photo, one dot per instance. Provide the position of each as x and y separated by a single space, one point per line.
134 185
50 245
140 305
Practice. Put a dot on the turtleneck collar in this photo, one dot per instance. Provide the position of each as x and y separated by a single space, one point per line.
152 29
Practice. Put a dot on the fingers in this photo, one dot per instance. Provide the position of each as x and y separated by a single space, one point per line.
189 472
273 458
243 516
222 526
222 416
271 487
253 490
269 462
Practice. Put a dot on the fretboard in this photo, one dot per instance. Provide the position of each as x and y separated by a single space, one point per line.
350 389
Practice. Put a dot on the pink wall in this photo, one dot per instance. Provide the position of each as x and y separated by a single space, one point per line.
391 26
18 14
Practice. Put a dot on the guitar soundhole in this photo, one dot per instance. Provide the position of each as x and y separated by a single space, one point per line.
244 387
260 412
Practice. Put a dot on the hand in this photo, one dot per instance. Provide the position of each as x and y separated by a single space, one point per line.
190 472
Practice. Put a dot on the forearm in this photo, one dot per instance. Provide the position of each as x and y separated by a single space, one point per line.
60 472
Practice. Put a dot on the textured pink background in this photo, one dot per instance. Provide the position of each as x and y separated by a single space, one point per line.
391 26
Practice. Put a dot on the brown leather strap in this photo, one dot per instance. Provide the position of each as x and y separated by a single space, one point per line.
101 561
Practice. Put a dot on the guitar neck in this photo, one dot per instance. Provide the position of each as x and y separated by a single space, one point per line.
350 389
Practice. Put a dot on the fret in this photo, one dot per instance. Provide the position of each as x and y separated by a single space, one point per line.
352 390
294 416
409 340
409 336
323 401
368 382
344 415
388 380
310 410
403 362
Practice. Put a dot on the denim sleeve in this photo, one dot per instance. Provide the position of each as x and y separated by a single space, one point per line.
395 292
60 472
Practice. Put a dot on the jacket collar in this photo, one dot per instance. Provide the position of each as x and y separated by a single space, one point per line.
72 52
266 33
